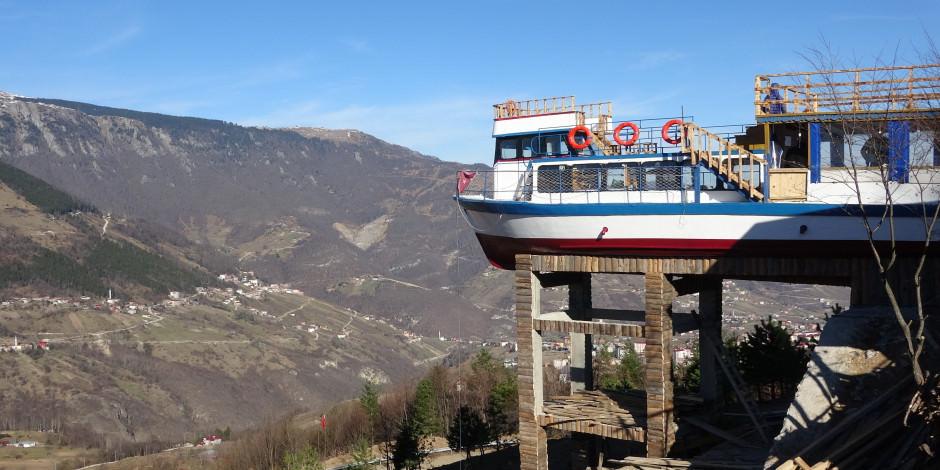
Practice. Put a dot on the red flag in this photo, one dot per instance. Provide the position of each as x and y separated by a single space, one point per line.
323 422
464 179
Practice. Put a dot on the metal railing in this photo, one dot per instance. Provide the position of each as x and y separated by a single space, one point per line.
650 141
601 178
905 88
611 177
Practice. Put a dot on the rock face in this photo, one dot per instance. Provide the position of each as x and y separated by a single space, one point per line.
860 356
313 207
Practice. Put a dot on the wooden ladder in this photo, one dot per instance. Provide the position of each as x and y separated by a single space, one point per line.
718 154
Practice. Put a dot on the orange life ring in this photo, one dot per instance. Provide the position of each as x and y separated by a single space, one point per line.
631 140
574 132
667 126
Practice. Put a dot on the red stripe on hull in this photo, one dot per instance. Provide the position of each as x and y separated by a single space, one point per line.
502 251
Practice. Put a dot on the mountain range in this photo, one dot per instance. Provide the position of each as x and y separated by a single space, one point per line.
338 213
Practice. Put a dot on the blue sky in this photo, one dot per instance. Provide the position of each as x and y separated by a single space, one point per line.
425 74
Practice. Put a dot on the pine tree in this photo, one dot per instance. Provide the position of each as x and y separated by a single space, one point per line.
425 409
767 356
369 399
631 370
408 453
500 417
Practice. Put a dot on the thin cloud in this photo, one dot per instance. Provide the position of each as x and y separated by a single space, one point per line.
113 41
450 128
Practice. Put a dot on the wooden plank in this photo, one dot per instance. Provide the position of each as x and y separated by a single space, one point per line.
634 433
652 462
590 327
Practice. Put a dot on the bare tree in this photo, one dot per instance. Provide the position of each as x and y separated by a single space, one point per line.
859 101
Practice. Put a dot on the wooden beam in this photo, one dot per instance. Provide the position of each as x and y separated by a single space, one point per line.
533 453
652 462
823 270
588 426
660 434
589 328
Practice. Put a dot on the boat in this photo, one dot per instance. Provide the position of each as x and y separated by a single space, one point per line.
835 161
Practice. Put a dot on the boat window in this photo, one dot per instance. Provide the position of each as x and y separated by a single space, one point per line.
528 146
506 148
710 181
661 176
587 178
629 176
615 177
553 145
553 179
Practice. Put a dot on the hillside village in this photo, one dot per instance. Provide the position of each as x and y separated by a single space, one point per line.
242 288
240 295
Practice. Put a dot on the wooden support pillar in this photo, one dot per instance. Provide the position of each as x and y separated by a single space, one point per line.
660 432
533 451
866 285
709 304
581 364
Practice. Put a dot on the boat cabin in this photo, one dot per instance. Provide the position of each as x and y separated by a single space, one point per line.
811 128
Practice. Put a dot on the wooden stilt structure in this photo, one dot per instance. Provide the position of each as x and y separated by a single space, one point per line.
646 419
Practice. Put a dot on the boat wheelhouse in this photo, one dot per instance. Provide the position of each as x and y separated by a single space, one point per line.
829 152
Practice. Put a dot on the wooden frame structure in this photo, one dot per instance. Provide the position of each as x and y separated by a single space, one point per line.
558 104
649 419
900 89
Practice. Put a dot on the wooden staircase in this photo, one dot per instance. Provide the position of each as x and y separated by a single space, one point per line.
599 133
605 145
720 156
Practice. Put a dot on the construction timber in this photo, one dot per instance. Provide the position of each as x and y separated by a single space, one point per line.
648 418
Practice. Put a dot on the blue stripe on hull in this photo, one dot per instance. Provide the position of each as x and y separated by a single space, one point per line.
722 208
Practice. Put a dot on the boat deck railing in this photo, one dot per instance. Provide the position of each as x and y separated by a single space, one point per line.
550 181
543 106
914 88
650 138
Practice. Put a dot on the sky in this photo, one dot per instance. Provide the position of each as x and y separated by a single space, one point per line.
426 74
